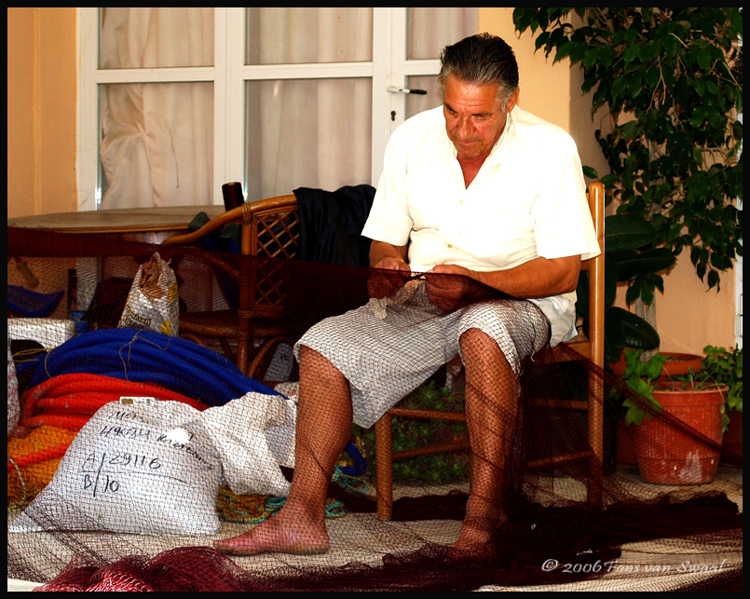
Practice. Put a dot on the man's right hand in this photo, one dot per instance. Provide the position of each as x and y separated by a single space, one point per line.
387 277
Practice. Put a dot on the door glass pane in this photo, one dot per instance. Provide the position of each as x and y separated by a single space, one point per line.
416 103
156 37
431 29
308 35
157 144
307 133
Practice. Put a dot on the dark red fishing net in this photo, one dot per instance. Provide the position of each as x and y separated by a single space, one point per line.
109 490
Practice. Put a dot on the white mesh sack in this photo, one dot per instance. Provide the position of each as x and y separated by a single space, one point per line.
254 436
147 469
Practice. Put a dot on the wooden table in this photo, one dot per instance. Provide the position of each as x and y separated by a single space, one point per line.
151 225
148 225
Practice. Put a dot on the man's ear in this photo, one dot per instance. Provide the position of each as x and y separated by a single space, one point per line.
513 100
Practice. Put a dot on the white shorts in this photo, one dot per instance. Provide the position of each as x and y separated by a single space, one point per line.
385 359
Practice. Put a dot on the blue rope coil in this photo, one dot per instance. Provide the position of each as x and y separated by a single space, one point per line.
147 356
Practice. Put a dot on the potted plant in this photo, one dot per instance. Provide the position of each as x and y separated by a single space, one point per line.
670 80
677 432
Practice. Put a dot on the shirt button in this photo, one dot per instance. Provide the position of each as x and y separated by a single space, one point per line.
450 246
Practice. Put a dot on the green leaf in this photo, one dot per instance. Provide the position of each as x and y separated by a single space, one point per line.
645 263
633 293
699 115
698 156
712 88
625 232
654 365
647 52
564 50
635 331
640 386
633 415
590 172
635 85
629 129
652 76
713 279
606 56
590 57
630 54
704 58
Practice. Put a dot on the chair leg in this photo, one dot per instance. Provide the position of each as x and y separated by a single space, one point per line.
227 349
384 467
596 440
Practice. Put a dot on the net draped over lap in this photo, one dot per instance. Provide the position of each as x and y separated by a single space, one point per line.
112 494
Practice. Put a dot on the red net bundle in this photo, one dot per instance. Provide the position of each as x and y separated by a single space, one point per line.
142 458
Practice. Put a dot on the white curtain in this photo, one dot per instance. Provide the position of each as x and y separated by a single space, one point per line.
157 138
157 146
308 133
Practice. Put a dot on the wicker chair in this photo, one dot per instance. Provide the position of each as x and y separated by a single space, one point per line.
591 347
270 228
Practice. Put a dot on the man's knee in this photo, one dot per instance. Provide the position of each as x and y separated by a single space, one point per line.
314 367
478 347
485 362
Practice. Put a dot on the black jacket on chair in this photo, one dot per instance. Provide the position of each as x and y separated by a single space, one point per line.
332 222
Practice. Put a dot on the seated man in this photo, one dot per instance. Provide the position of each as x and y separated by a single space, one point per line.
493 196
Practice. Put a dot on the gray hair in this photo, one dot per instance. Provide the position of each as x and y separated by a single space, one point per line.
481 59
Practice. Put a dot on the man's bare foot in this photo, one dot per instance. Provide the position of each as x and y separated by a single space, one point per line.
480 526
285 532
472 539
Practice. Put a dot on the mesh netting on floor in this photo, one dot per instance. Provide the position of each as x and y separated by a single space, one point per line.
141 459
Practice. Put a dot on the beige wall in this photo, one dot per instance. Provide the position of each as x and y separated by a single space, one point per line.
42 71
42 90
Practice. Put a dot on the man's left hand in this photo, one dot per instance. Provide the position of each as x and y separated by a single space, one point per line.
451 287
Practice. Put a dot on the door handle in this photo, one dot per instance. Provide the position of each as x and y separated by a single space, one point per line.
405 90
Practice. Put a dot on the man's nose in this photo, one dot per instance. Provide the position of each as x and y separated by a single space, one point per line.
463 128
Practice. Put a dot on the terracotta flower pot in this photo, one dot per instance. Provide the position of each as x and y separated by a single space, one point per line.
677 363
669 456
681 364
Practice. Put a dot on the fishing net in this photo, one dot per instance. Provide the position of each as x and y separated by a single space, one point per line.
133 449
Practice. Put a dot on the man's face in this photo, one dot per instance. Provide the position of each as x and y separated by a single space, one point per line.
474 116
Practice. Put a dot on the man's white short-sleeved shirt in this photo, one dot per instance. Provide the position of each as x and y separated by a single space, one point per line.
527 200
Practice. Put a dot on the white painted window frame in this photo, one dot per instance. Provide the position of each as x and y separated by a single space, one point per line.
229 75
